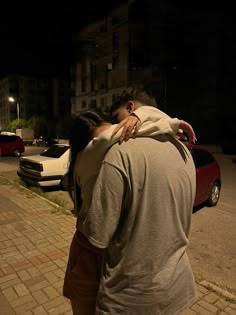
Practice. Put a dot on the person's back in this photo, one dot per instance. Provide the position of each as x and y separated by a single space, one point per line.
146 267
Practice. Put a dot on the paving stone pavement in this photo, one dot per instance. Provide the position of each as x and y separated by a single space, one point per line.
34 244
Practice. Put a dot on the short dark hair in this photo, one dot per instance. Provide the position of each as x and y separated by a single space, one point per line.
132 94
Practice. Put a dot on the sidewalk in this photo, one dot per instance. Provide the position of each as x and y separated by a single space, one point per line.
34 243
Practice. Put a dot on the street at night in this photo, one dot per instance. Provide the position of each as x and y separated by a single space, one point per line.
213 233
69 72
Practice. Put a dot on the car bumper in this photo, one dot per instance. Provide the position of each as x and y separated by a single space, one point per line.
40 181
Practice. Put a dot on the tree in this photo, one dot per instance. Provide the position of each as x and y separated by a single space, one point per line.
15 124
40 125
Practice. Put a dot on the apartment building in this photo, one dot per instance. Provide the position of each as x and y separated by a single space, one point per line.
117 51
170 50
32 96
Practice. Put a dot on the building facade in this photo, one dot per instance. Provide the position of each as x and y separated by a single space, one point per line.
33 96
137 43
173 51
113 53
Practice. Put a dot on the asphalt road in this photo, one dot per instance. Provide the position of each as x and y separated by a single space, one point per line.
212 249
9 164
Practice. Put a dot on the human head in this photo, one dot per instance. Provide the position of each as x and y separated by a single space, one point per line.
83 127
81 133
129 100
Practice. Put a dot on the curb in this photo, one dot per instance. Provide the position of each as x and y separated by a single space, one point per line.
32 192
218 290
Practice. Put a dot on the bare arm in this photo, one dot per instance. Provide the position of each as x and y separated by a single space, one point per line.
130 126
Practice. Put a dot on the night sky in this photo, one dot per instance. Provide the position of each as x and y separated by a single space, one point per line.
36 37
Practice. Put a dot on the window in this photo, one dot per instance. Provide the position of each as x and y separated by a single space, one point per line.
93 104
55 151
102 80
83 76
92 76
202 158
103 102
83 84
115 41
83 105
5 138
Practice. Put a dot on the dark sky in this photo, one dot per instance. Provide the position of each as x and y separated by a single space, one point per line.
36 37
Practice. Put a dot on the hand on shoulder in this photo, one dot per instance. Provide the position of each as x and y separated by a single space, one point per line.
129 126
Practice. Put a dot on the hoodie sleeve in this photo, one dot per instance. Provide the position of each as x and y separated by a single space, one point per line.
160 121
162 126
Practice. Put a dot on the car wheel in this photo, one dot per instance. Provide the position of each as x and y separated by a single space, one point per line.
17 152
214 195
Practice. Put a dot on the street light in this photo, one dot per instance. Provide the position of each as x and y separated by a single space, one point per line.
13 100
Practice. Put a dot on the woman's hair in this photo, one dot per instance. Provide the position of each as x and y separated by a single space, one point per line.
81 134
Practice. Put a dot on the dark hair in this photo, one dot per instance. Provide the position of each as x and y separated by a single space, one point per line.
132 94
81 134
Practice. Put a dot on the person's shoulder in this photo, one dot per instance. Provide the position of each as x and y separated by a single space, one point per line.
106 136
116 149
129 147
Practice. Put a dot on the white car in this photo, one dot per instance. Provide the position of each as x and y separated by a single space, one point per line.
47 168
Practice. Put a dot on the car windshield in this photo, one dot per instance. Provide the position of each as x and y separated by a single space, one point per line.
55 151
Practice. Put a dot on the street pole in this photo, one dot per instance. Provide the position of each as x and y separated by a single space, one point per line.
12 100
18 111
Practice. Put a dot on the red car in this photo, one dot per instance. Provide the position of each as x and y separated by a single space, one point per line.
11 145
208 176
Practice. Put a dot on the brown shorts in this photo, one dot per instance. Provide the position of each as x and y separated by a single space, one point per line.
83 271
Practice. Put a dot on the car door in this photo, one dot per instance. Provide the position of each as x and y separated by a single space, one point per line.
3 145
203 162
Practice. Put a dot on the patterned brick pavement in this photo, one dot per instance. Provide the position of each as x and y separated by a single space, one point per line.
34 243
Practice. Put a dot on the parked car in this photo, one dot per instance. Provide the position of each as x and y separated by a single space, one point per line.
45 142
50 169
46 168
11 145
208 176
